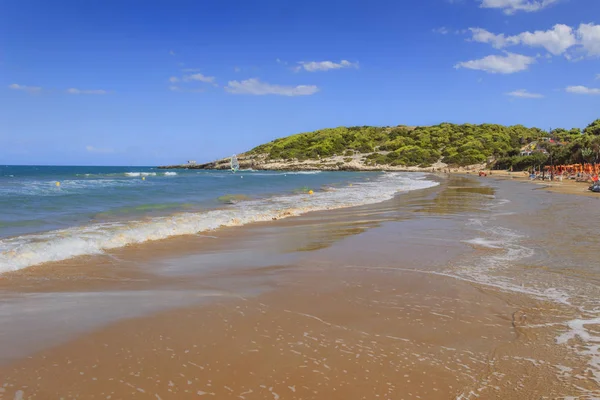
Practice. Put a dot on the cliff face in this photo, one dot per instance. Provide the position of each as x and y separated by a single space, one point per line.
357 162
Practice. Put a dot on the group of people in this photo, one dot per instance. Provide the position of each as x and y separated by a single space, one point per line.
552 175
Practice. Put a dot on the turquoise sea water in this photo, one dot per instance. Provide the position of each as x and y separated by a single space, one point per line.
99 208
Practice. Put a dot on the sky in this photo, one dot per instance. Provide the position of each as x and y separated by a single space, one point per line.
132 82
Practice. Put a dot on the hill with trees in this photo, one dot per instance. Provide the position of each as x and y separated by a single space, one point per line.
450 144
422 147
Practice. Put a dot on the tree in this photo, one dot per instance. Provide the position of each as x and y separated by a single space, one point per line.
560 154
593 128
588 154
575 132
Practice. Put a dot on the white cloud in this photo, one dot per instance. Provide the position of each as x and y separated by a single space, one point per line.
313 66
523 93
508 64
583 90
79 91
256 87
598 76
556 40
191 77
498 41
172 52
99 150
589 37
199 77
441 30
175 88
237 69
512 6
559 39
29 89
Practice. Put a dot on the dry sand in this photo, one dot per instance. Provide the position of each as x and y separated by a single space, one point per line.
566 186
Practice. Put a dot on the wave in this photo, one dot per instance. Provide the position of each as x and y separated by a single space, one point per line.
141 174
149 207
127 174
24 251
67 187
232 198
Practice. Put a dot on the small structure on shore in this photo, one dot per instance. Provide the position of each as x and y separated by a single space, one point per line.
533 147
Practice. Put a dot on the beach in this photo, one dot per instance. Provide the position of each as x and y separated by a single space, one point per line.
565 186
473 288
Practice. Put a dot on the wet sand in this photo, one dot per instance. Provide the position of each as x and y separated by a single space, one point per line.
461 291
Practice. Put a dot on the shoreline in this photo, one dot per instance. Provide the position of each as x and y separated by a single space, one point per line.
278 206
97 273
567 187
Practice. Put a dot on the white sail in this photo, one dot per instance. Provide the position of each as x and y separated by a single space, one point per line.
234 163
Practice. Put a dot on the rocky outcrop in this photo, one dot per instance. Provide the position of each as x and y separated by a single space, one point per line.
337 163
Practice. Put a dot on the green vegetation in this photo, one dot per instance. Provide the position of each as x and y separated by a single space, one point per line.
573 147
456 145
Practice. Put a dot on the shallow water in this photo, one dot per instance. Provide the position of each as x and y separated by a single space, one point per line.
31 202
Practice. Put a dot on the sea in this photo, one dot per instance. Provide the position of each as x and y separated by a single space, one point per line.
54 213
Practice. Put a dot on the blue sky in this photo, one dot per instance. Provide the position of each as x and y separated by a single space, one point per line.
152 82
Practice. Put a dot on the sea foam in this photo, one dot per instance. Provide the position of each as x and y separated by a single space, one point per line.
134 174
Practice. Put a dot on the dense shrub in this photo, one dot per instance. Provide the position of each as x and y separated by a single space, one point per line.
424 145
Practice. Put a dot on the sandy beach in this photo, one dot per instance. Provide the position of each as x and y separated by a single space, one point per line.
479 288
566 186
